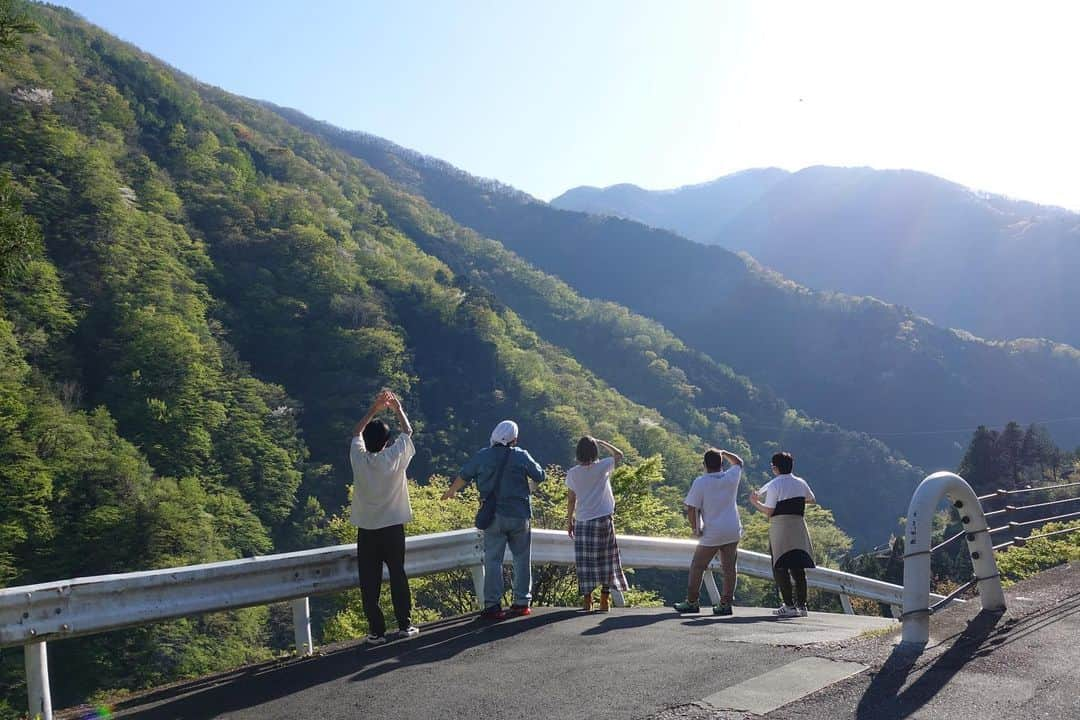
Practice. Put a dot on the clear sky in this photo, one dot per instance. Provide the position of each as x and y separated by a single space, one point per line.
548 95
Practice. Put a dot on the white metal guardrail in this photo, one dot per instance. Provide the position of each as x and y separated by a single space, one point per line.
32 615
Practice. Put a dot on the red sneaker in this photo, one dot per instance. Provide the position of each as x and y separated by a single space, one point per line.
518 610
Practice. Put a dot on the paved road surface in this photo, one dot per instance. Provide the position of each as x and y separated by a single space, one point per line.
558 663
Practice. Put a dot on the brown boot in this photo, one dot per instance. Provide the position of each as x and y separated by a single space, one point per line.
605 601
587 602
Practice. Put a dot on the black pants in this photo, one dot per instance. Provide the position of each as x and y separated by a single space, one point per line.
373 548
783 577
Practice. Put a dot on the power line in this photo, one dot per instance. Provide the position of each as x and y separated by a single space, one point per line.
891 433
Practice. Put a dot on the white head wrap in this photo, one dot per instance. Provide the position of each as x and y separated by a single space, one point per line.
504 433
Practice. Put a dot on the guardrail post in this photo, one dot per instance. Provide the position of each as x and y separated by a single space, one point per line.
845 601
917 539
478 584
301 617
617 598
710 584
36 658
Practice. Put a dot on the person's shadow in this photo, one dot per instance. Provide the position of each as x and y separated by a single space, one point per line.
265 682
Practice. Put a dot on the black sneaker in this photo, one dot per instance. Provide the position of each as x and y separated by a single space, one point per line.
722 609
375 640
493 612
687 607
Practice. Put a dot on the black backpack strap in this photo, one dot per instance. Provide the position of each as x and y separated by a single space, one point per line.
499 473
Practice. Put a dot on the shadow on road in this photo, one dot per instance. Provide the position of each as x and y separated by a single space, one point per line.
211 697
884 699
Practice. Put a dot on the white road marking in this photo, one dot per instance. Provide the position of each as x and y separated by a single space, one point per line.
785 684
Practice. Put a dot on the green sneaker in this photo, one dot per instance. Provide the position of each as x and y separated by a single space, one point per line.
687 607
722 609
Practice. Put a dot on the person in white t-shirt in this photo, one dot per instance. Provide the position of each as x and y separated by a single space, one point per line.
714 520
380 510
590 509
785 499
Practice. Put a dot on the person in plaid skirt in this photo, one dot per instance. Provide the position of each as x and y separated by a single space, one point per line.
589 520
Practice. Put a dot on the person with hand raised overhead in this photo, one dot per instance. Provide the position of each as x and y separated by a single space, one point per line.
714 520
784 499
503 472
590 509
380 510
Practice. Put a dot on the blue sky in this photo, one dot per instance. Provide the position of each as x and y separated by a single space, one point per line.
546 96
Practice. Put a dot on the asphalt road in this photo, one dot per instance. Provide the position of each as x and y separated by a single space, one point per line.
557 663
1022 664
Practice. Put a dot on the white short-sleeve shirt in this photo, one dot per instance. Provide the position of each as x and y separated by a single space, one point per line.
380 490
784 487
714 495
592 485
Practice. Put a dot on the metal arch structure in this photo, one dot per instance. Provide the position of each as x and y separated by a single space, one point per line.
918 538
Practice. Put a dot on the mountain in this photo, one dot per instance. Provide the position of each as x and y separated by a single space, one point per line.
693 211
991 265
203 302
855 361
198 300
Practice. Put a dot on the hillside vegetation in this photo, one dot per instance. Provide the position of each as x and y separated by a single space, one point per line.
855 361
199 302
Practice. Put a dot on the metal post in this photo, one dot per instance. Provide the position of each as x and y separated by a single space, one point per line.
917 539
36 658
845 600
301 617
710 583
617 598
478 584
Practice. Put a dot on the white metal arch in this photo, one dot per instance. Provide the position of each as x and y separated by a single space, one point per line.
917 546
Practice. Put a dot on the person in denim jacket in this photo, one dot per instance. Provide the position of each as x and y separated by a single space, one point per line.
513 516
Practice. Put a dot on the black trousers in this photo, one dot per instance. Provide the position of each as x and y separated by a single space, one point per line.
373 549
783 577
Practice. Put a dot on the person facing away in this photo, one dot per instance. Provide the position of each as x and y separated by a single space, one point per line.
380 510
590 509
785 499
714 520
506 469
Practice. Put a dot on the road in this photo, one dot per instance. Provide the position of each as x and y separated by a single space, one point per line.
557 663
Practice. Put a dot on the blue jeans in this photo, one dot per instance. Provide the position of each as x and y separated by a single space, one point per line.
516 532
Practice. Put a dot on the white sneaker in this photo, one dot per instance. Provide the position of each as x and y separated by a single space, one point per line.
375 640
411 631
801 609
785 611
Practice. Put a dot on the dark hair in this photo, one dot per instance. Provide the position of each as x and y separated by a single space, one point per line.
587 451
376 433
714 460
783 462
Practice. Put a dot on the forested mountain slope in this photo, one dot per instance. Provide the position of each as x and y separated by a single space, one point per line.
201 302
994 266
649 365
855 361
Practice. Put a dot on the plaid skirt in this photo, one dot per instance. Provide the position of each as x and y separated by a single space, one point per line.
596 555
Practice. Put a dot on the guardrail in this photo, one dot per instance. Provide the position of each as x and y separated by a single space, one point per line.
1010 511
34 615
917 550
979 535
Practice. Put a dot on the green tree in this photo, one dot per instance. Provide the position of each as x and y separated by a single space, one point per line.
14 23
